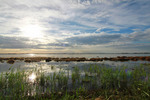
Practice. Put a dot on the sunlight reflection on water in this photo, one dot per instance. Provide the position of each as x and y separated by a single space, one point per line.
31 55
32 77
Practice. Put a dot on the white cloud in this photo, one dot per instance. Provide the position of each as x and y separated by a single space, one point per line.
62 20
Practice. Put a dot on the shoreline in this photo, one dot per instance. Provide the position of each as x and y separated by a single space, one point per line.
11 60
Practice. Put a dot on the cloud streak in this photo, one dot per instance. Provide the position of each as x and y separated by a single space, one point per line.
72 24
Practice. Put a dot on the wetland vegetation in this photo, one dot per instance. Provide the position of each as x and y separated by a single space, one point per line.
11 60
94 82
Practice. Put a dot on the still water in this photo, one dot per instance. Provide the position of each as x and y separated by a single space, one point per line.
60 55
67 67
47 66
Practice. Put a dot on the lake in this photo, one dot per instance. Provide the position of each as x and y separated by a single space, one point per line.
36 78
60 55
46 66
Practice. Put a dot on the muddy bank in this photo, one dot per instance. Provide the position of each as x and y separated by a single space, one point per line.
11 60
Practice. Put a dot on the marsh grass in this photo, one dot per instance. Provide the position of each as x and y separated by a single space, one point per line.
109 83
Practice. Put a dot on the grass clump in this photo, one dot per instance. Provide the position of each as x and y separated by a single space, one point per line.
96 81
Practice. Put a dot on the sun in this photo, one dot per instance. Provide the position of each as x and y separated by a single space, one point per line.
32 31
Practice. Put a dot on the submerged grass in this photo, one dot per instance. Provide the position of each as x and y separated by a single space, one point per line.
97 81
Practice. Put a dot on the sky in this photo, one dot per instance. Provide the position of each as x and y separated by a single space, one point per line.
74 26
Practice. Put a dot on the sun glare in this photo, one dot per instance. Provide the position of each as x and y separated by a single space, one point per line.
32 77
31 55
32 31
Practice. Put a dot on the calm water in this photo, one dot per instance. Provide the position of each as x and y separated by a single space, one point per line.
70 55
67 67
46 66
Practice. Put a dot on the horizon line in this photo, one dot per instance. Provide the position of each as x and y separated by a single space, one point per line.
83 53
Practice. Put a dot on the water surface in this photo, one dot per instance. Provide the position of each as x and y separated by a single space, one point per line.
60 55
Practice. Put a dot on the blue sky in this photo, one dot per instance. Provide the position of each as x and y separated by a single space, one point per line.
74 26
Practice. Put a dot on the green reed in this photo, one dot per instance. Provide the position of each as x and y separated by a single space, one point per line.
109 83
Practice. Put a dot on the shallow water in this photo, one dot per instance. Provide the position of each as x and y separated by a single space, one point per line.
66 66
50 67
47 66
60 55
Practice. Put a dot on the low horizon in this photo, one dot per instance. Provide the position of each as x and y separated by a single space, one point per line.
83 53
